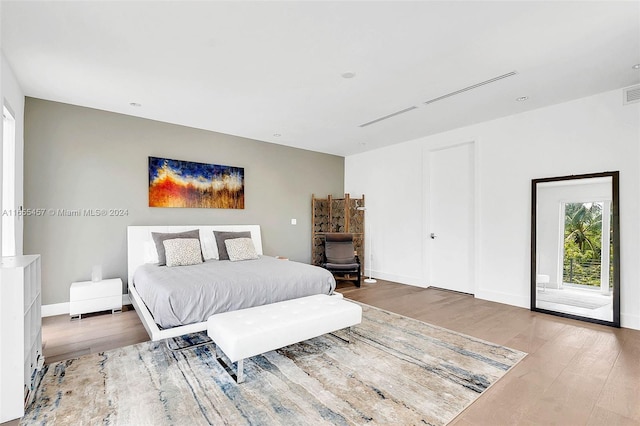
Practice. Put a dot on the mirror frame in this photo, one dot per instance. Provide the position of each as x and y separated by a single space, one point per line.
615 224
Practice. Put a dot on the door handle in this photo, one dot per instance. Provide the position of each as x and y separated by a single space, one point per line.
433 236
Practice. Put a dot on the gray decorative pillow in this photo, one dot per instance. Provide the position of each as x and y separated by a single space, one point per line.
159 238
182 251
241 249
222 236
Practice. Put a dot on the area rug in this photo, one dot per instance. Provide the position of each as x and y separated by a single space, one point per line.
396 370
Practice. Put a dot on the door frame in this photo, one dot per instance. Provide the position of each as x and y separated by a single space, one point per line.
427 154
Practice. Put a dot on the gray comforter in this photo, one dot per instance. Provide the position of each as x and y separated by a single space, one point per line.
188 294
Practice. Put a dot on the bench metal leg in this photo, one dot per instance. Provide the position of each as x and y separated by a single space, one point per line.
349 338
239 373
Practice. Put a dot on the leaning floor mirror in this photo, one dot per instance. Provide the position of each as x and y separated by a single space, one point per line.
575 247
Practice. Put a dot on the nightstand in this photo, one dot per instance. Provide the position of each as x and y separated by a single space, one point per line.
90 296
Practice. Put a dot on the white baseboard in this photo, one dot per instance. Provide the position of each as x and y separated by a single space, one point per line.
63 308
55 309
630 321
401 279
504 298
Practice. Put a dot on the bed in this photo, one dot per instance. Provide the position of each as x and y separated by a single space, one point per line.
173 301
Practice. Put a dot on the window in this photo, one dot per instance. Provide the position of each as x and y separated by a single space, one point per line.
8 183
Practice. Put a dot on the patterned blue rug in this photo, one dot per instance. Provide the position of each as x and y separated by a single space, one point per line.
398 371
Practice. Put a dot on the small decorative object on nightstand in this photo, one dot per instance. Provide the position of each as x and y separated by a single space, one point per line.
95 296
96 273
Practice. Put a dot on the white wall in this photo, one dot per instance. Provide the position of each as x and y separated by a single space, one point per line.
587 135
13 97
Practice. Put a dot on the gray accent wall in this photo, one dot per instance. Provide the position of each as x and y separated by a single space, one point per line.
87 159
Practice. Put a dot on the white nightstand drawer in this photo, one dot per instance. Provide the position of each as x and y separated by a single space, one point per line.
79 307
89 296
92 290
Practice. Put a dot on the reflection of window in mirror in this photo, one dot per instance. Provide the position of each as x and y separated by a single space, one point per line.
587 246
573 235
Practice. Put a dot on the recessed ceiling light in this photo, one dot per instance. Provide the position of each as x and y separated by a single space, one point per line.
135 104
277 135
348 75
636 67
522 98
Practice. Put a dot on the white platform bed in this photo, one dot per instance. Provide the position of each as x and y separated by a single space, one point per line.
139 242
175 296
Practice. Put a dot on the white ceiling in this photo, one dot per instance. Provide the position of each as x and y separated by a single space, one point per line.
256 69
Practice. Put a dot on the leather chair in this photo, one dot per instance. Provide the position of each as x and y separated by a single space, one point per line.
340 257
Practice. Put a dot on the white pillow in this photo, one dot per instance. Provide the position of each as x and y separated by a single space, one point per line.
240 249
209 247
150 252
182 251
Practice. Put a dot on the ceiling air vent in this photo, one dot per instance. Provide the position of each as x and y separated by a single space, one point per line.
439 98
482 83
631 95
388 116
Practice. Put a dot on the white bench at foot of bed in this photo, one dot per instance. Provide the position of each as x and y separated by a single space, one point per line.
254 331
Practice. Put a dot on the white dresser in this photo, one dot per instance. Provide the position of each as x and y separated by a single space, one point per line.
95 296
20 333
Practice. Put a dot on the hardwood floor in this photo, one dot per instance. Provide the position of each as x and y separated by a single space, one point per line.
64 338
575 374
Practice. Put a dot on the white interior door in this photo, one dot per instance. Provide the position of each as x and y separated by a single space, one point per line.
451 212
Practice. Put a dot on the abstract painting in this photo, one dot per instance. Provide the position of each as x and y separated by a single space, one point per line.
175 183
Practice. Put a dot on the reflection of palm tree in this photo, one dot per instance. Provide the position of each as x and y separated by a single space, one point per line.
583 226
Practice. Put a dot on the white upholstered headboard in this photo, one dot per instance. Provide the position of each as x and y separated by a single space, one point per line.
139 239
